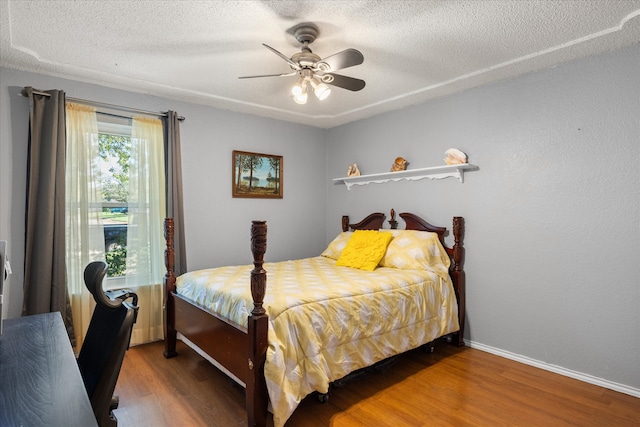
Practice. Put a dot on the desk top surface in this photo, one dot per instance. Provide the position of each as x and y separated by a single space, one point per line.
40 383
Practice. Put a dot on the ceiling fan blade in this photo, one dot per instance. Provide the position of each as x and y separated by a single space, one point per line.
344 82
293 64
345 59
270 75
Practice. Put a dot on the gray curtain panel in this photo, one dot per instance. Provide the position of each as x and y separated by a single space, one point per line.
45 280
173 166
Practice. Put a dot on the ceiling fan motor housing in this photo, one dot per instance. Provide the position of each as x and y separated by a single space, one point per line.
306 33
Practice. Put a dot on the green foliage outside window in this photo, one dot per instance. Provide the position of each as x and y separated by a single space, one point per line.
115 152
117 260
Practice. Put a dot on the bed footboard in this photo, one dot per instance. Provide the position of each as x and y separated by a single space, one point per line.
221 339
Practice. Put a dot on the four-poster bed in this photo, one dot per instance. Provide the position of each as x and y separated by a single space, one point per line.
240 348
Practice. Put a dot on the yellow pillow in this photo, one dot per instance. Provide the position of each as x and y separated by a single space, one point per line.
364 249
338 244
415 250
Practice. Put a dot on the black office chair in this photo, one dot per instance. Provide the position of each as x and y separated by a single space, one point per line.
106 342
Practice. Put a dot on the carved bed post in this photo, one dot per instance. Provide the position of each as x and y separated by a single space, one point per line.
169 286
256 388
392 222
345 223
458 273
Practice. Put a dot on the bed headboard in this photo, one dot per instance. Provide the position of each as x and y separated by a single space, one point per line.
371 222
375 221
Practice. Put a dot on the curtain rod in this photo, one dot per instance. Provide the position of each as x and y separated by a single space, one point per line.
105 105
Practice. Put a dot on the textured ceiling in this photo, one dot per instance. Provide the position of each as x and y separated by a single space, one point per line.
414 50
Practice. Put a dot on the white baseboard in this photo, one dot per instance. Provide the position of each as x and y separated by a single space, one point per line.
632 391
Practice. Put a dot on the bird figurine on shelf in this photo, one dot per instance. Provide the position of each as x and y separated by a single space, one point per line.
399 165
353 170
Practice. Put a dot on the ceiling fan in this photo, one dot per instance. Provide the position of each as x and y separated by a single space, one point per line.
316 72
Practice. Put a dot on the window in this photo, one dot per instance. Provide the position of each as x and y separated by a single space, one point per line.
115 201
114 140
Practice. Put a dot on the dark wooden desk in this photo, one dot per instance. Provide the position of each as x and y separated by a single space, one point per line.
40 383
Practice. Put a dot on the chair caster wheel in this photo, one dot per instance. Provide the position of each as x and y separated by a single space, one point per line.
323 397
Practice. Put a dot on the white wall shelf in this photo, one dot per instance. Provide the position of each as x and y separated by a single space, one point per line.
437 172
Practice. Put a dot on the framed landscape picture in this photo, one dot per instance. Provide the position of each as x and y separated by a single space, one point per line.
257 175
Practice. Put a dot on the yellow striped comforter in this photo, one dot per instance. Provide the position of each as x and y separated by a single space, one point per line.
327 321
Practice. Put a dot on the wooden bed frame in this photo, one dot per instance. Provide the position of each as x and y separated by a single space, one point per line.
241 351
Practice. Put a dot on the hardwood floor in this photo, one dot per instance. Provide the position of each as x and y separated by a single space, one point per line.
451 387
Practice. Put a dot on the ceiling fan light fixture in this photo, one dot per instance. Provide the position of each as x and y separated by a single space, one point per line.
301 98
321 90
300 87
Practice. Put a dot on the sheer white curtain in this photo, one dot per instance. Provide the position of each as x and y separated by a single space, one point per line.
145 239
84 233
83 219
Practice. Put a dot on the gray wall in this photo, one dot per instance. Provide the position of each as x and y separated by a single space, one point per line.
218 226
553 214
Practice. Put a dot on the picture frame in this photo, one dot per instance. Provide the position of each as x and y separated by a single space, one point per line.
256 175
